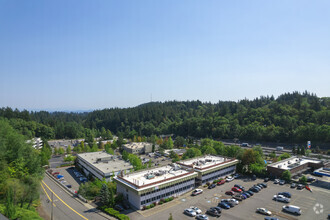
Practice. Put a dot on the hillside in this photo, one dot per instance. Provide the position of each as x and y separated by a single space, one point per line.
291 118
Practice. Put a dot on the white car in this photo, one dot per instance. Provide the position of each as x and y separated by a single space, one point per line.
292 209
196 209
264 211
202 217
276 181
197 192
190 212
229 179
232 201
281 198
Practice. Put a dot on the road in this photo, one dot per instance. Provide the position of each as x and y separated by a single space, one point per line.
65 207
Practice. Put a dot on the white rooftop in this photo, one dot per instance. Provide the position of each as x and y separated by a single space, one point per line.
105 162
155 175
205 161
136 145
293 162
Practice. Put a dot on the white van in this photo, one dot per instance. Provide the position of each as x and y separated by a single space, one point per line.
293 209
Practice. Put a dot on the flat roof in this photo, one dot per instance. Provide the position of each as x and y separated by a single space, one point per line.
152 177
293 162
205 161
105 162
136 145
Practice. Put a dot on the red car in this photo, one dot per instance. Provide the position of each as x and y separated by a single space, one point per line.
221 182
230 193
235 189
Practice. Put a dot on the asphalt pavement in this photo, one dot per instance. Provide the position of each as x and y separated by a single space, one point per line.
65 207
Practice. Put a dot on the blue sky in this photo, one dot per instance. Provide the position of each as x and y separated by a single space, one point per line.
70 55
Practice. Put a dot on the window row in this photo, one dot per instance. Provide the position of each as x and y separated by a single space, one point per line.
157 190
166 194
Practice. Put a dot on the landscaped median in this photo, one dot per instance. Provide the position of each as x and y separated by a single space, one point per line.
114 213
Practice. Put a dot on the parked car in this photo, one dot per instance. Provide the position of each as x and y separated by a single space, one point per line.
126 205
197 192
236 176
221 182
233 201
229 203
243 196
310 179
281 198
235 189
264 185
202 217
282 182
286 194
239 186
271 218
266 179
69 186
251 193
217 208
263 211
246 195
56 173
292 209
260 186
253 189
300 186
293 185
254 177
190 212
229 179
276 181
230 193
247 192
224 205
196 209
119 208
212 186
213 212
238 197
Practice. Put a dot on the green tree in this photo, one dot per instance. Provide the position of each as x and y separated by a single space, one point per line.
68 150
10 210
302 151
286 175
170 218
294 151
272 155
284 156
303 180
105 195
179 141
61 151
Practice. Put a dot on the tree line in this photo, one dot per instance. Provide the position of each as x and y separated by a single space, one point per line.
292 118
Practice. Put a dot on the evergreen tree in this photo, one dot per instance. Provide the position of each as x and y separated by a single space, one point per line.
170 218
302 151
294 150
68 150
105 195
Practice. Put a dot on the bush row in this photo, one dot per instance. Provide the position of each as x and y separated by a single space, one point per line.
115 213
162 201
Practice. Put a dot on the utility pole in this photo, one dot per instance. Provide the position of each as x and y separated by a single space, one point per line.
52 217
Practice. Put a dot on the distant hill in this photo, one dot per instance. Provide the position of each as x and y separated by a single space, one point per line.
292 118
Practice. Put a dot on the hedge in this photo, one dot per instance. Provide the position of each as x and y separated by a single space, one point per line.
116 214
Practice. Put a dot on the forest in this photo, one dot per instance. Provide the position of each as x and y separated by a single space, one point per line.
291 118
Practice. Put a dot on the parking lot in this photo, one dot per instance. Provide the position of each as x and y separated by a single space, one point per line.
314 205
69 177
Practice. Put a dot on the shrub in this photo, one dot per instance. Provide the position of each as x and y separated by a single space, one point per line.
147 207
208 183
144 207
116 214
171 198
215 181
152 205
160 203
